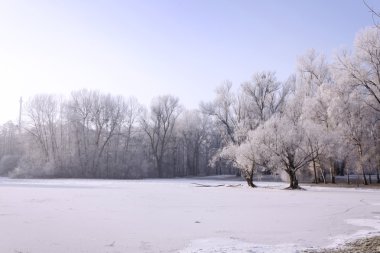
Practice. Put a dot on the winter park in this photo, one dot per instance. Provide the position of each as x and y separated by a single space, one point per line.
190 126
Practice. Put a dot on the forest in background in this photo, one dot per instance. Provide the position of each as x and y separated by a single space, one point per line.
321 122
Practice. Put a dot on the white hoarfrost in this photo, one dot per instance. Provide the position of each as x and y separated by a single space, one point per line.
182 215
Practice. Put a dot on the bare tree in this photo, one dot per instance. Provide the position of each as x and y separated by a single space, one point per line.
222 109
96 119
11 149
43 114
375 14
193 126
265 95
159 125
126 133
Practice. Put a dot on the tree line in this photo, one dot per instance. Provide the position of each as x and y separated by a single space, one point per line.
322 121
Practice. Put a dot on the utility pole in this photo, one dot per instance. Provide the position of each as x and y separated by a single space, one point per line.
19 116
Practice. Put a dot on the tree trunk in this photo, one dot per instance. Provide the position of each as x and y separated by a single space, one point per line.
249 180
315 172
363 173
357 179
360 151
159 169
332 179
322 171
248 175
293 181
323 176
378 174
332 171
365 182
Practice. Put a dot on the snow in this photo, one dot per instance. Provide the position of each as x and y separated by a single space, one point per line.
178 215
227 245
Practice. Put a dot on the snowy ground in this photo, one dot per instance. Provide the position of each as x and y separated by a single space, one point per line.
60 216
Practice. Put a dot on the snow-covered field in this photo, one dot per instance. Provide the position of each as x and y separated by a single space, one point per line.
60 216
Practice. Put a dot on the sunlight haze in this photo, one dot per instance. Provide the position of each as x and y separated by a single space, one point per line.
150 48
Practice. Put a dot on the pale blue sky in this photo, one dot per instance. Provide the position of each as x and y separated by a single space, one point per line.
151 48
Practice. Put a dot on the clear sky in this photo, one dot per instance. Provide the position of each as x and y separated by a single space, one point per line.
148 48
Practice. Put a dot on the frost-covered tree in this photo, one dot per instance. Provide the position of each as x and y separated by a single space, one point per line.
353 117
313 71
96 119
243 158
228 111
223 110
121 153
264 96
42 112
283 143
374 147
360 70
193 127
357 107
44 156
158 125
11 148
128 134
243 111
315 88
248 156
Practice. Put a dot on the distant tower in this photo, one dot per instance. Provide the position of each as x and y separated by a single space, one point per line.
19 115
